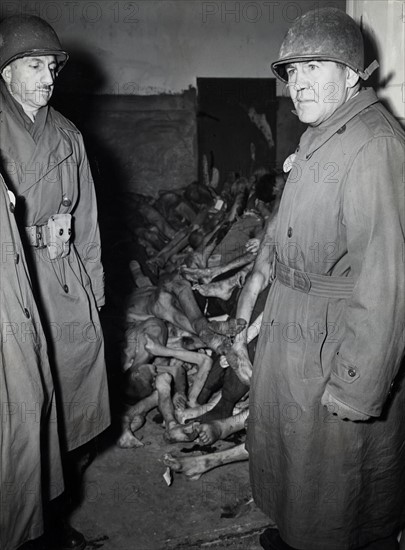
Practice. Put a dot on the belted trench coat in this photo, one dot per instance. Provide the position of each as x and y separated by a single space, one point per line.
331 483
30 465
68 290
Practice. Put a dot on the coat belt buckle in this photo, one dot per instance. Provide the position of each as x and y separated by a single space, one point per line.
300 281
306 283
40 238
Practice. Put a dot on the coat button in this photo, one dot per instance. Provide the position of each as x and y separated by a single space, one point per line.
11 206
342 129
351 372
66 201
27 313
289 232
16 257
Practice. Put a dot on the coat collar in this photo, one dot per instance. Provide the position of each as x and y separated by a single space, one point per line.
314 138
30 162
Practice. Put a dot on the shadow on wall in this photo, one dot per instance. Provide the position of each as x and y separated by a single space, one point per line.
371 52
137 144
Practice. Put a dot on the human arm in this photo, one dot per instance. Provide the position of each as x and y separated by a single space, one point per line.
258 279
237 357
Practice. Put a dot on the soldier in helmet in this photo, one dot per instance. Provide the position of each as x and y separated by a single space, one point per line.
326 434
44 163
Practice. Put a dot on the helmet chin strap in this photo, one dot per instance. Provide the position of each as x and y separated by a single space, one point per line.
365 75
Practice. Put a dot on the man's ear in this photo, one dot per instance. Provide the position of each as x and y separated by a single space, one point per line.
6 74
352 77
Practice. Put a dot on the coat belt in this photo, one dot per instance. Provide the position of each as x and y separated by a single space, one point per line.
323 286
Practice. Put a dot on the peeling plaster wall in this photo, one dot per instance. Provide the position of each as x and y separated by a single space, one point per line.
162 46
140 58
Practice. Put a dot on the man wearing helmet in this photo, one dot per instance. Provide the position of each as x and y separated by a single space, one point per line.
44 163
326 435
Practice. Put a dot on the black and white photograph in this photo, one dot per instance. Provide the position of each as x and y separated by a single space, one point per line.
202 275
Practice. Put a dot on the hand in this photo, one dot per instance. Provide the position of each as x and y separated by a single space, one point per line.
343 411
252 245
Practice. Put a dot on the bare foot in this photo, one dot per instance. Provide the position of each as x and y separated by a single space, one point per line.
200 410
215 290
129 441
222 289
177 433
208 433
238 360
179 401
189 466
253 245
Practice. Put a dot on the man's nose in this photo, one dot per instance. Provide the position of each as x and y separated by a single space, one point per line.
302 81
48 76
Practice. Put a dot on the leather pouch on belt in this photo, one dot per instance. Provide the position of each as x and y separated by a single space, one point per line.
59 231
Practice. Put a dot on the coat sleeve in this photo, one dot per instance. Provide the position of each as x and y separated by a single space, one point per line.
373 339
86 230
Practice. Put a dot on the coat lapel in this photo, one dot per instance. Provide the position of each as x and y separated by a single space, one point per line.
27 162
314 138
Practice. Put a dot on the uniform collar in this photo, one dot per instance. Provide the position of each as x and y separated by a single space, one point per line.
34 128
314 138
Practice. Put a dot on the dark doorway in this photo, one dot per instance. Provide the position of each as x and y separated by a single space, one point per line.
237 124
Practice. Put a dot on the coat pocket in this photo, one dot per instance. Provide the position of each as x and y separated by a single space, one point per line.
345 370
323 337
315 342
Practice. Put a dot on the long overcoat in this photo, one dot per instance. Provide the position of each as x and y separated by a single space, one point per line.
30 466
43 174
327 482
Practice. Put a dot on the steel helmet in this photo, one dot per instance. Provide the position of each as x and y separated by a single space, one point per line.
325 34
28 35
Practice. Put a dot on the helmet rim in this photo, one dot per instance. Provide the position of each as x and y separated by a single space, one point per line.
39 53
278 66
27 36
325 34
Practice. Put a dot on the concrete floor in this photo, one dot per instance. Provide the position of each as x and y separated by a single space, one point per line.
128 506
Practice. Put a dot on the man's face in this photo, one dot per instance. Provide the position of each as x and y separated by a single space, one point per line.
31 80
317 89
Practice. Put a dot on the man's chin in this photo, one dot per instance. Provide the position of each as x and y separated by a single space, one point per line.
306 117
41 102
